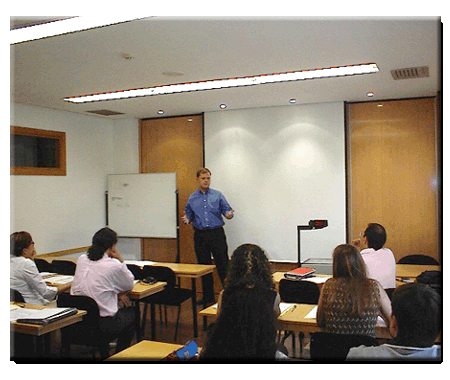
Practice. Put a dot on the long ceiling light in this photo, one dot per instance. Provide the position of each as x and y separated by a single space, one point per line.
63 26
364 68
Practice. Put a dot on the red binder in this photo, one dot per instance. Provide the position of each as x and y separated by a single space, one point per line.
299 273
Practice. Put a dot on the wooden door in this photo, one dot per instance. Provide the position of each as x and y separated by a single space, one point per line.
393 176
173 144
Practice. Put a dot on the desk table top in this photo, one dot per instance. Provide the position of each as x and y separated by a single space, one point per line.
38 330
145 350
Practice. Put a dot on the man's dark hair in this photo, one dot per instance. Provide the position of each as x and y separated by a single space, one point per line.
102 240
417 309
203 170
376 236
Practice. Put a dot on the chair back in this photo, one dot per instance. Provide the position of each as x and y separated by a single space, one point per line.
160 273
418 260
136 270
15 296
92 317
331 346
389 292
292 291
63 267
42 265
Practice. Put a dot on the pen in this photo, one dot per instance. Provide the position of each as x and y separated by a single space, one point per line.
293 308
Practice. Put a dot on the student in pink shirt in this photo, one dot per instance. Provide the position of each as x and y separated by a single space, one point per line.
380 262
102 275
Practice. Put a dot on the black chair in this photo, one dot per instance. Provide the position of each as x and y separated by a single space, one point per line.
292 291
170 296
15 296
389 292
326 346
136 270
63 267
43 265
86 332
418 260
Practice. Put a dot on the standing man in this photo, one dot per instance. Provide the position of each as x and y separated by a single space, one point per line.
204 210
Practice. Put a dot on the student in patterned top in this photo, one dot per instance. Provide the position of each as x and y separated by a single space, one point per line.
350 302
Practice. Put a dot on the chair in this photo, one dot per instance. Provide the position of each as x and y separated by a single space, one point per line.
418 260
15 296
170 296
330 346
86 332
136 270
63 267
292 291
43 265
389 292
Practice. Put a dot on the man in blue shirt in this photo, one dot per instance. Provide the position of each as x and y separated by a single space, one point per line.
204 210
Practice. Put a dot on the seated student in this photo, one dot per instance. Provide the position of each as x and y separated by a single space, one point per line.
415 324
350 302
380 262
102 275
24 275
249 261
248 310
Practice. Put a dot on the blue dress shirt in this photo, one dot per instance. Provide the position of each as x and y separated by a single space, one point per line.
205 210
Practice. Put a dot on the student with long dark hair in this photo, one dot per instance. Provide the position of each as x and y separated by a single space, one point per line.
245 328
102 275
24 276
350 302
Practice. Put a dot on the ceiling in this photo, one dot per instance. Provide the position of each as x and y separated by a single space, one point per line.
167 50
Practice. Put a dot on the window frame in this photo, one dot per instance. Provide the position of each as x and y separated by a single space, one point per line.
60 170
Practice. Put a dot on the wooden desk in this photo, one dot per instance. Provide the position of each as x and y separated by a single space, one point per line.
294 320
140 291
412 271
39 331
182 270
145 350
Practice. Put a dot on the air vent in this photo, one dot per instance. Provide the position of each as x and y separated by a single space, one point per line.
410 73
106 112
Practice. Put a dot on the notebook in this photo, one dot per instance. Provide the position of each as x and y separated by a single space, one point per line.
299 273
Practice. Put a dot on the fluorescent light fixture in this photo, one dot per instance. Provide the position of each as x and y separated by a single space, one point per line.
64 26
364 68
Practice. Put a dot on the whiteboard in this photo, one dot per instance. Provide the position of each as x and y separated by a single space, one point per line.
280 167
143 205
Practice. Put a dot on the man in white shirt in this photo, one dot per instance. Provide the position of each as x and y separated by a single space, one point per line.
380 262
102 275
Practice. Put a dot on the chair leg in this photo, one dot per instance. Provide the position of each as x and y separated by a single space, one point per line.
178 321
144 316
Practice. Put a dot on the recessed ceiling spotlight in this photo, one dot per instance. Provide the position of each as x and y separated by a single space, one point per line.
292 100
370 94
380 105
214 84
160 112
223 106
190 120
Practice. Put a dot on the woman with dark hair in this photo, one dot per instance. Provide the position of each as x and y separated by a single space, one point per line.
349 301
248 308
24 275
102 275
249 265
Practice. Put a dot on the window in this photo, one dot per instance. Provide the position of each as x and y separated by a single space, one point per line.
37 152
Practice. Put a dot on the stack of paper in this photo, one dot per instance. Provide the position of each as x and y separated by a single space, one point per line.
40 316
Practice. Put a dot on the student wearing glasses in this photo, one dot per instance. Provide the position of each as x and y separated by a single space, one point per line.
24 275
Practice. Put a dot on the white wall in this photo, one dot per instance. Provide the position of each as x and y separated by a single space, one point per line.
279 167
63 212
